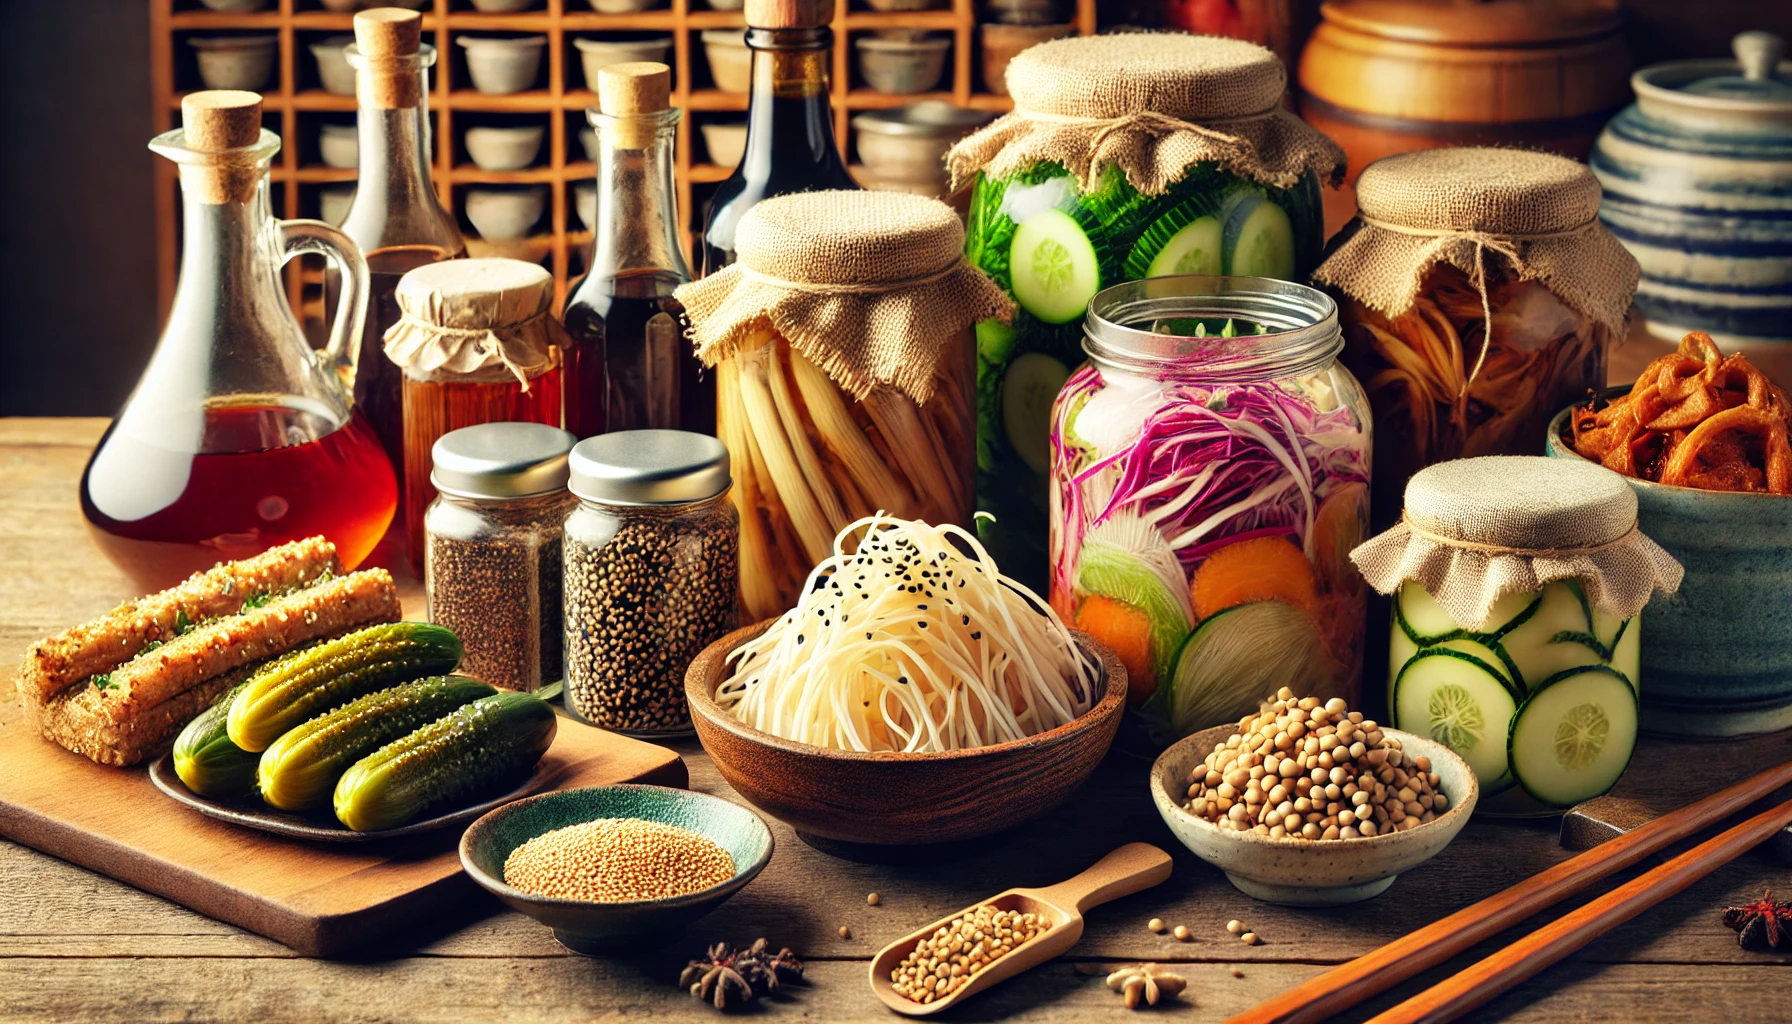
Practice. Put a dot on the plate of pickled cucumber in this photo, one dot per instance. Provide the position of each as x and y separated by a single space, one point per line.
366 736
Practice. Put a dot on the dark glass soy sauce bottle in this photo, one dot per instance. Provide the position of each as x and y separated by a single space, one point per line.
630 367
790 128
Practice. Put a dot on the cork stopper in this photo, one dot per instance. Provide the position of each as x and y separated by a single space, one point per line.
789 13
633 97
387 41
388 32
221 119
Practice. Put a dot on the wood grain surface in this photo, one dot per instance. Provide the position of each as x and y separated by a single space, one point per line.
79 947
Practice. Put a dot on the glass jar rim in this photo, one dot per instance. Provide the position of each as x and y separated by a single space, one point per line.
1303 336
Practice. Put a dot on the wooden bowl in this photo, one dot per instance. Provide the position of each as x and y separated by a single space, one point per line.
886 799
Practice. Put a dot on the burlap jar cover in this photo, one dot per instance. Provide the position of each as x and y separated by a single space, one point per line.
1482 211
478 319
1476 530
865 285
1151 105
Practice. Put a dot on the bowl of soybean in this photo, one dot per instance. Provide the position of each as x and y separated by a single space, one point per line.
616 868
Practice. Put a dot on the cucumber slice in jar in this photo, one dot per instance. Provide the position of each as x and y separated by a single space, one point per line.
1029 388
1053 266
1421 618
1627 651
1259 240
1574 735
1195 249
1554 638
1459 700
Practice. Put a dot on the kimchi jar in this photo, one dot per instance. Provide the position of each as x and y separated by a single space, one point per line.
1210 472
844 374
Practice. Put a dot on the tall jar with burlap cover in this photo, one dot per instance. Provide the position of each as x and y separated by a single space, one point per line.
842 345
1518 584
1479 294
1126 156
476 342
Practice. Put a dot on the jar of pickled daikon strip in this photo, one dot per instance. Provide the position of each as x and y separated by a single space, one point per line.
845 374
1516 638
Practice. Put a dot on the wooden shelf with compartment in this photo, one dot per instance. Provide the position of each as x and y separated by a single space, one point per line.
297 104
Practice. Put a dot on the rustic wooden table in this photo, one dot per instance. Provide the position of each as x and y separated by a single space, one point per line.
79 947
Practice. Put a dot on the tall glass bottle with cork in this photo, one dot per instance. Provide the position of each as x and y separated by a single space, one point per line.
790 127
395 218
629 367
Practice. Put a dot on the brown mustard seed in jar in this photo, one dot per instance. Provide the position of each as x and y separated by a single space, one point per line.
492 559
651 563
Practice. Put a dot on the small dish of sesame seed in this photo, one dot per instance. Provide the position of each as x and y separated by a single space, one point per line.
616 868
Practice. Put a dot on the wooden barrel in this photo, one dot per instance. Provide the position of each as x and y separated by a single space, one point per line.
1391 76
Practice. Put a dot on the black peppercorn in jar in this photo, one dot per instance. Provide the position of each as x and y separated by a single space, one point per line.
652 561
492 558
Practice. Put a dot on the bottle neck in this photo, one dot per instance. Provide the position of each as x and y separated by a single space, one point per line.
229 265
395 202
789 117
637 203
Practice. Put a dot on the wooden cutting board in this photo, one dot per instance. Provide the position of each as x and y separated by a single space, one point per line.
321 899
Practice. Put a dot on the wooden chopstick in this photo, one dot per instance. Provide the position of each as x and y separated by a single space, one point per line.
1348 984
1475 985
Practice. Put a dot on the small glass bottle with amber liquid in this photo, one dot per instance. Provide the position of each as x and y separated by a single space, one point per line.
790 128
630 367
396 217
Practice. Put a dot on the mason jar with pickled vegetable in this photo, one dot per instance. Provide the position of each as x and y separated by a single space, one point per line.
841 340
1516 637
1479 294
1210 470
1126 156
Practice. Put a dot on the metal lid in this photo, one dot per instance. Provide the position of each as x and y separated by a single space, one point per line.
501 460
649 467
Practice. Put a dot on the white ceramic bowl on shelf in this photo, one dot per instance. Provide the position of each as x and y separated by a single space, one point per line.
235 6
1309 872
584 196
726 5
623 6
339 145
730 62
505 148
333 202
502 65
902 66
333 70
235 62
502 6
597 54
910 142
588 142
502 214
726 141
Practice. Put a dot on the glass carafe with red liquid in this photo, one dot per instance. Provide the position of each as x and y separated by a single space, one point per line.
239 436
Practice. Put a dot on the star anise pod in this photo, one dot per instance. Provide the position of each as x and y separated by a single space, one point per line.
767 970
1763 924
1147 981
714 979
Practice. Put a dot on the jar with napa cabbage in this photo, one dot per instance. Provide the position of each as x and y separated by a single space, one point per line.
1210 470
841 340
1517 583
1479 295
1126 157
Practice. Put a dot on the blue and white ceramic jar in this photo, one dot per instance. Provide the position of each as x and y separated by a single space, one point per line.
1698 184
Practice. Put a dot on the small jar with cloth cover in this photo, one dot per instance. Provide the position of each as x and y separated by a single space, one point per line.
477 343
1479 294
841 340
1517 583
1126 156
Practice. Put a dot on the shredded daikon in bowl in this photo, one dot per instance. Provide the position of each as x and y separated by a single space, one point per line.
912 641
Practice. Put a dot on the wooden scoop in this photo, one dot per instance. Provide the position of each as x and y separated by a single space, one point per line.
1127 870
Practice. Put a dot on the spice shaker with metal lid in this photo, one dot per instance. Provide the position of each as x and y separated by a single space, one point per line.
1517 584
492 565
651 564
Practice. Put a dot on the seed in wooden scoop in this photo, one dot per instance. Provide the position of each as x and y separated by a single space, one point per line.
943 962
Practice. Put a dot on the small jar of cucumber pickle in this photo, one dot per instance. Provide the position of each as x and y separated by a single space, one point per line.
492 548
1518 583
652 558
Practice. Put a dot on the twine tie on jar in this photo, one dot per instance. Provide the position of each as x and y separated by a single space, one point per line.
485 338
851 288
1504 243
1152 121
1501 549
